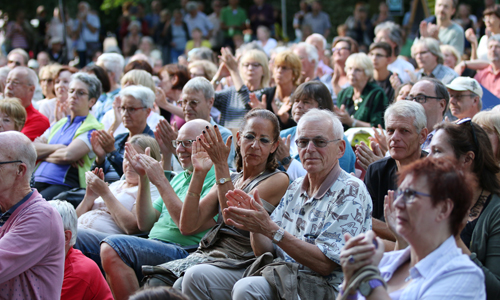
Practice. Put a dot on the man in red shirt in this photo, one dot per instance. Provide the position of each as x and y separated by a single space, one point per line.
21 83
82 277
489 77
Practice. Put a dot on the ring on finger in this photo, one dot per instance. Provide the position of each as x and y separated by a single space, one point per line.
351 259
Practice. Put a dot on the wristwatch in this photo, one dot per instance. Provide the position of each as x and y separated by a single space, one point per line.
278 235
367 287
285 161
223 180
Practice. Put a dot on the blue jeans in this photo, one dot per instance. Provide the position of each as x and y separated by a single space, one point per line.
136 252
174 55
89 242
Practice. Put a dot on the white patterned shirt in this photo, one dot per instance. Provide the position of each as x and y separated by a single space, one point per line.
342 205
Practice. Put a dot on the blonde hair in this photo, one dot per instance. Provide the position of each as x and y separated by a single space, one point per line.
490 120
139 77
262 59
12 107
52 70
453 51
290 59
209 68
362 61
145 141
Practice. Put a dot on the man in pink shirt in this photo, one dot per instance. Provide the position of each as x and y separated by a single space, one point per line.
490 76
31 231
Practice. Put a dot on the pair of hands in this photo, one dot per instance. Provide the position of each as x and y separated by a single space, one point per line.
429 30
360 251
228 64
378 144
283 148
103 142
96 186
145 165
284 109
61 110
209 149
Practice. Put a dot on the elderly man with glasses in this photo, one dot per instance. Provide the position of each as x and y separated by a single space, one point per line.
465 97
31 231
305 232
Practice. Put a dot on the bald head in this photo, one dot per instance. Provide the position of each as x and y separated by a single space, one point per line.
16 146
189 131
21 83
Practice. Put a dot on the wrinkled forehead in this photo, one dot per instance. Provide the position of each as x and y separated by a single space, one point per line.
314 128
423 87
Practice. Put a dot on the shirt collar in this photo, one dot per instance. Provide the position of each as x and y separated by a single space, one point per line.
5 216
425 266
325 185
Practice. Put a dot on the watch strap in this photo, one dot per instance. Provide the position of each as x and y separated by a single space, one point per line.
278 235
223 180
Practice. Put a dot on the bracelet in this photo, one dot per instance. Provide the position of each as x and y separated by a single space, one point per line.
354 122
193 194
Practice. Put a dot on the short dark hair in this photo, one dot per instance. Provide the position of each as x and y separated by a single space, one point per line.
445 181
138 64
461 139
353 45
440 90
492 10
102 75
180 71
382 45
315 90
272 162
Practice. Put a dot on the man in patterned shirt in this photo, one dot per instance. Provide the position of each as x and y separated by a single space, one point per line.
305 232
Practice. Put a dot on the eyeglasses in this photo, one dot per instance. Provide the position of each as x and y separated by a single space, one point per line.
251 138
185 143
192 103
130 110
459 97
79 93
421 53
469 121
318 142
420 98
354 70
49 80
408 195
17 63
339 49
254 65
10 162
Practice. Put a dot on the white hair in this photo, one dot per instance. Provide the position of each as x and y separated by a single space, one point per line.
69 218
362 61
317 36
312 52
200 84
113 62
139 92
408 109
316 114
20 148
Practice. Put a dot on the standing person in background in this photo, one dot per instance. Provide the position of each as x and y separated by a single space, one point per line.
261 14
113 64
489 75
195 18
86 30
383 14
177 36
318 20
153 18
217 37
18 32
380 54
233 19
298 19
160 35
359 26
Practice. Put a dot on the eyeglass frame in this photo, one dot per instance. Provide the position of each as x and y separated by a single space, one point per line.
297 141
131 110
196 102
10 162
414 98
176 143
401 194
469 120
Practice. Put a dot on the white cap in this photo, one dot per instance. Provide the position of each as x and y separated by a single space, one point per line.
466 84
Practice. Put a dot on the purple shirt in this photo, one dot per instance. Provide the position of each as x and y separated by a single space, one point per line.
32 252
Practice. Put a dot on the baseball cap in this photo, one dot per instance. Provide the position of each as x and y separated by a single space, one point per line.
466 84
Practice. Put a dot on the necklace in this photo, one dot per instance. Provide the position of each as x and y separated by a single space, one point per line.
357 102
244 184
278 103
476 208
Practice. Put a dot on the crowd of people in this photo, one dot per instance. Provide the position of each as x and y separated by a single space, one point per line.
196 156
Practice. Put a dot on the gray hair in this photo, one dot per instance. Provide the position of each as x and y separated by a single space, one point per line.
247 47
316 114
199 84
312 52
134 23
362 61
113 62
433 47
4 71
21 149
317 36
149 40
395 34
408 109
21 52
31 77
139 92
494 37
69 218
94 85
200 54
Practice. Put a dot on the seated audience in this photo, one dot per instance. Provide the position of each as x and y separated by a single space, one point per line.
58 107
287 70
402 91
466 145
123 256
265 40
12 115
47 76
202 68
465 97
430 60
21 83
380 54
319 42
196 41
173 78
427 212
405 125
158 293
491 19
64 150
308 95
309 58
136 104
451 57
362 104
82 278
490 122
113 64
107 210
256 169
31 231
310 245
488 76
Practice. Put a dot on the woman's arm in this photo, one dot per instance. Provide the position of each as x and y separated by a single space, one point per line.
43 149
125 219
76 150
